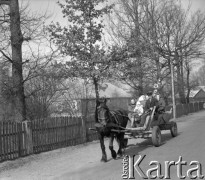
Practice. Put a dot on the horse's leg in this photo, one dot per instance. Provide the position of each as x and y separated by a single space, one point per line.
120 138
113 153
104 156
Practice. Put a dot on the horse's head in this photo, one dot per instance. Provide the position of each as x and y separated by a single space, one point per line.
103 115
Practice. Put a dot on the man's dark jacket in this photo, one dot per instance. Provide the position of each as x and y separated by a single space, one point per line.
151 103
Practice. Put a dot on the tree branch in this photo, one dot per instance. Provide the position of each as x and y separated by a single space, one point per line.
8 58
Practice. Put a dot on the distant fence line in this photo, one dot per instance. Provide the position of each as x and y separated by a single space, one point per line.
22 139
88 105
185 109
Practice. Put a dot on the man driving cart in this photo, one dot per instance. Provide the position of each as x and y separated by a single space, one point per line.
160 116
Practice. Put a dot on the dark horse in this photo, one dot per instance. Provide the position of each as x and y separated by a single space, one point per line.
107 120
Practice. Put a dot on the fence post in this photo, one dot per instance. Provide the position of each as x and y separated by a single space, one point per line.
84 131
28 137
84 109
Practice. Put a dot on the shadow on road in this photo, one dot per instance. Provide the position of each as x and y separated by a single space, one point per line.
134 149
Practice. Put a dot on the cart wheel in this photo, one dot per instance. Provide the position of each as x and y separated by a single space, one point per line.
156 136
125 142
173 129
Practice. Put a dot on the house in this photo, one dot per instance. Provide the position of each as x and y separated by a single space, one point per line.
201 87
65 106
199 93
112 91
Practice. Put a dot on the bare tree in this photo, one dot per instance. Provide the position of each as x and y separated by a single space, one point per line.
177 37
16 46
42 91
166 34
142 65
27 38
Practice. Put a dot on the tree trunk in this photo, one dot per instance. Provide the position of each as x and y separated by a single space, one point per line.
140 89
95 82
180 85
158 67
187 96
17 73
188 86
180 80
141 76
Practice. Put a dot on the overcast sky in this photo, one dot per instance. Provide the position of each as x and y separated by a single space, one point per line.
51 7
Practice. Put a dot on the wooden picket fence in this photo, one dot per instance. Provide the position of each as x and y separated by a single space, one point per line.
11 144
56 133
90 135
21 139
45 135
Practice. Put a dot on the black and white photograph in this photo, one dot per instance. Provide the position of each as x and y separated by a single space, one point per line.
102 89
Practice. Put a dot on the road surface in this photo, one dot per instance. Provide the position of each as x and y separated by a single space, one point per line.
83 161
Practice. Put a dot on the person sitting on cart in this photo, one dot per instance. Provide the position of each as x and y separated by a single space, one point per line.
131 113
162 115
139 108
161 105
156 94
150 103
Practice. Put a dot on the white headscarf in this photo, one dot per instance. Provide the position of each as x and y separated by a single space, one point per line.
143 98
139 106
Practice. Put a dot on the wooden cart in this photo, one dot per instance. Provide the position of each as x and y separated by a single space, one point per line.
149 130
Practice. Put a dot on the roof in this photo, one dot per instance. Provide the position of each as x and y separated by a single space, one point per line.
201 87
193 93
110 90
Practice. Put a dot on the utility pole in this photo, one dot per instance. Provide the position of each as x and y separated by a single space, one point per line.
173 93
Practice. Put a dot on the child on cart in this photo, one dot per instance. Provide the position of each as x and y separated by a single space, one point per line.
131 113
136 110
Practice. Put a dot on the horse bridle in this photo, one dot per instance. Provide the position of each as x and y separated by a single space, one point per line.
112 114
100 120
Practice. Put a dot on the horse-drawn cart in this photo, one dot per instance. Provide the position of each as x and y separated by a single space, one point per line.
151 129
112 124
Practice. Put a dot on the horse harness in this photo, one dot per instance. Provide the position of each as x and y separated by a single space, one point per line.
114 115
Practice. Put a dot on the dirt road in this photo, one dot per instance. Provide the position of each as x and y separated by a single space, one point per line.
83 161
